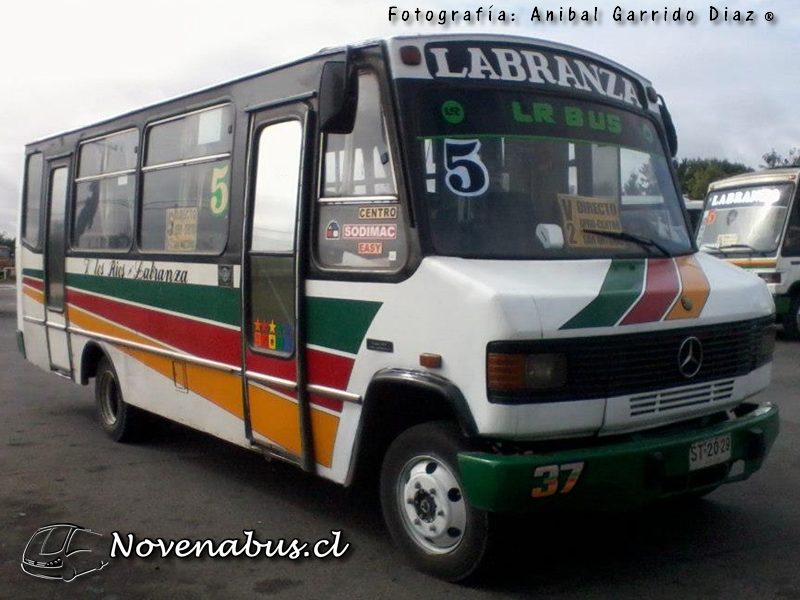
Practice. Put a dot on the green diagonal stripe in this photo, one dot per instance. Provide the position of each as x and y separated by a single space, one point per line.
621 288
339 324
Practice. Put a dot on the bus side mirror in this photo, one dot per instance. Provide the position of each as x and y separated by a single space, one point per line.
669 126
338 97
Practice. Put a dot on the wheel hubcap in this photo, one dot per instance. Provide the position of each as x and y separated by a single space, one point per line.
109 398
431 505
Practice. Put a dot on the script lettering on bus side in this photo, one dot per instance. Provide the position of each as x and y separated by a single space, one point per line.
137 270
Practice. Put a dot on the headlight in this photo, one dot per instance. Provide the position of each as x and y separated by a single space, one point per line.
766 346
771 277
517 372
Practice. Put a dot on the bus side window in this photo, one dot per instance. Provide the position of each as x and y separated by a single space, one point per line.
360 223
186 183
359 163
31 221
103 215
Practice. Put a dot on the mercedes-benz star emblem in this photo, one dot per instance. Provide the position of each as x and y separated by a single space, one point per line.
690 357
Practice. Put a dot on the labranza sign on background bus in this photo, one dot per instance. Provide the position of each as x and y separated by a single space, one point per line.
461 262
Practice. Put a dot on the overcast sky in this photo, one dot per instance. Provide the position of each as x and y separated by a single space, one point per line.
733 88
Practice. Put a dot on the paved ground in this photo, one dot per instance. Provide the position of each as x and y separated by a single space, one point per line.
58 466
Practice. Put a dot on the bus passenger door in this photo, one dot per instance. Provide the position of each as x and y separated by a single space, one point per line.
54 266
276 405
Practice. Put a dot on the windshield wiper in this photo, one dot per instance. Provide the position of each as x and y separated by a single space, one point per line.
728 247
642 241
747 247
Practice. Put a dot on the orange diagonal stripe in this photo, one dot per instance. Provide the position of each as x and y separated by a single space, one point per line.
695 290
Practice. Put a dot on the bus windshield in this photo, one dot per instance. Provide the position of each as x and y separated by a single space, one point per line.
745 219
508 174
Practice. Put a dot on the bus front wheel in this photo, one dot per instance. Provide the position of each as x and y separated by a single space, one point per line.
424 505
118 419
791 320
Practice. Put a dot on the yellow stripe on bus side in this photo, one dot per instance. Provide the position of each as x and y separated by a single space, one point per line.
223 389
277 418
754 262
34 294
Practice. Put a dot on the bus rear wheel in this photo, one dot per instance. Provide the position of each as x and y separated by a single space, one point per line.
424 505
119 420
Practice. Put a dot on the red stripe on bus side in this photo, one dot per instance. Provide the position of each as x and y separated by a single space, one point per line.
199 339
218 344
36 284
330 370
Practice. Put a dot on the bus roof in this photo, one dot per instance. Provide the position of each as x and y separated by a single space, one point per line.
387 42
755 177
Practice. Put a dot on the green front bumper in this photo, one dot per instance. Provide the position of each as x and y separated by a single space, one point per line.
782 304
622 475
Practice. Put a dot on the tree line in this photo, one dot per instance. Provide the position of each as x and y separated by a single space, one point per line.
695 174
6 240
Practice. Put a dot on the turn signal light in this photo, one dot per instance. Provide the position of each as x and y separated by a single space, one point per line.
506 372
771 277
514 372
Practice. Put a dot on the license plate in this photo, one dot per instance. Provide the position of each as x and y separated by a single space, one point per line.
712 451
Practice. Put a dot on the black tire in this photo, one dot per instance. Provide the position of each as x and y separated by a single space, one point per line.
424 507
121 421
791 320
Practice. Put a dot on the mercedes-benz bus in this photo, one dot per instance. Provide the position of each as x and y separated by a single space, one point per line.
459 263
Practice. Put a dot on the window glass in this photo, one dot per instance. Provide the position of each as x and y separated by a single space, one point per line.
359 163
277 180
272 304
205 133
272 261
112 154
33 200
59 185
186 187
184 209
103 217
104 198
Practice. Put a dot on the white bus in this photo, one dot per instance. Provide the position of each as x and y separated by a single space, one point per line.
459 263
753 221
